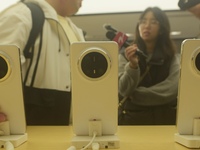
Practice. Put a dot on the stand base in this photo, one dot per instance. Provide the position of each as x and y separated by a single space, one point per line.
16 140
105 142
190 141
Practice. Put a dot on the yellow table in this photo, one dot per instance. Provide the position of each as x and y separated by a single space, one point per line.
131 138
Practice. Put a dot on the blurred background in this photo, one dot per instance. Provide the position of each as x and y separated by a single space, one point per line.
123 16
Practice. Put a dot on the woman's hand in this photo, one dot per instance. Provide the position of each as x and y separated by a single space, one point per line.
131 56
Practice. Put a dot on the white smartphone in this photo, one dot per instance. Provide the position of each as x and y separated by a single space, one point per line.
94 74
11 90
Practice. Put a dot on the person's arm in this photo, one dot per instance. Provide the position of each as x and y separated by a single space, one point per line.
15 26
128 77
161 93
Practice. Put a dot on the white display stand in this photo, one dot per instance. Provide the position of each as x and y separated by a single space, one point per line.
95 94
13 126
105 142
16 140
7 136
190 141
188 112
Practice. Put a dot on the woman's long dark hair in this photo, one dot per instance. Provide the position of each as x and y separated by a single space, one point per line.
164 43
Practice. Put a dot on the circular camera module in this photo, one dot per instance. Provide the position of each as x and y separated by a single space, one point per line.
94 63
196 60
5 69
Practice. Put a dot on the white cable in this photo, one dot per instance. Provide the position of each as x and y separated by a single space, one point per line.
8 145
92 140
95 146
72 148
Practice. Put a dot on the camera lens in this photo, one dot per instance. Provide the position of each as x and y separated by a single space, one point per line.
4 68
94 65
197 62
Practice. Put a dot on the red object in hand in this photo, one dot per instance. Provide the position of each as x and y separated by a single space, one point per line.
120 38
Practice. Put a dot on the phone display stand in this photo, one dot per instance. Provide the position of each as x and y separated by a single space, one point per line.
5 136
188 112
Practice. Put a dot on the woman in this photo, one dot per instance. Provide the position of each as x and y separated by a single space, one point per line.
149 84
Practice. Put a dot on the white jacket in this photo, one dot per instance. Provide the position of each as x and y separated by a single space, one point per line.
54 64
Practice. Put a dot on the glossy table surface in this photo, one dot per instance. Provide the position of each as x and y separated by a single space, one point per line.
131 138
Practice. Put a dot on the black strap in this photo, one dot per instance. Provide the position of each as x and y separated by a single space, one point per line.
37 25
37 62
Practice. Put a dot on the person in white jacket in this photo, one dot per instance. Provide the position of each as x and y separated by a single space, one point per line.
47 85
